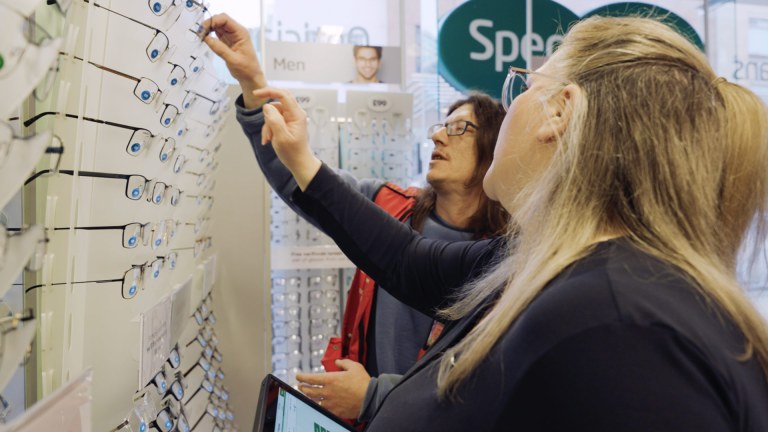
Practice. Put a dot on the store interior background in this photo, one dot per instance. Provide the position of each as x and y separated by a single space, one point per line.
735 34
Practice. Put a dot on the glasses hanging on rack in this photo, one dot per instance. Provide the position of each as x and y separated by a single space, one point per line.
135 233
158 46
133 280
139 140
137 186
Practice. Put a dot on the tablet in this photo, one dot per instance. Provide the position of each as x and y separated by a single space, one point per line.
282 408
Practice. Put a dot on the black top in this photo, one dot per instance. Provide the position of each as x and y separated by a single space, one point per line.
620 341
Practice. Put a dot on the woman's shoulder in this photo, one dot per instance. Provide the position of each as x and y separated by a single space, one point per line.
619 282
620 286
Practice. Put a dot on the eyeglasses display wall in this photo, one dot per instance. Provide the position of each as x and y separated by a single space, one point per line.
379 142
370 138
110 127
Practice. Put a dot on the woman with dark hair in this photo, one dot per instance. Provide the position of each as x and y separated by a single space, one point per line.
382 337
631 172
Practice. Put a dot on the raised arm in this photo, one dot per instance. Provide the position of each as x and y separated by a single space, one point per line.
420 272
233 44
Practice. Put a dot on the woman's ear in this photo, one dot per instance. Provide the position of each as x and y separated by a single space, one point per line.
559 113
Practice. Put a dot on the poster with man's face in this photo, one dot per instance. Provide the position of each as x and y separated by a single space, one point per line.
332 63
367 63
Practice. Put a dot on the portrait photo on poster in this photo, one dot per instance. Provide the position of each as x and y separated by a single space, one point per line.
332 63
367 64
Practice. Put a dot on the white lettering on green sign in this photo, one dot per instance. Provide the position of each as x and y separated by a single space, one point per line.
529 44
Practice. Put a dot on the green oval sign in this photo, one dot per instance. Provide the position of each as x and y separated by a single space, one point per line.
480 39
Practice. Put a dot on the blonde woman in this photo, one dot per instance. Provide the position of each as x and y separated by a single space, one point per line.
632 172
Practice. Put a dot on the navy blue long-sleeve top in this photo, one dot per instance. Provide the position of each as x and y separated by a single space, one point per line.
619 341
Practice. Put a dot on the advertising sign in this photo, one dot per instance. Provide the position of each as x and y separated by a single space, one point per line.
479 40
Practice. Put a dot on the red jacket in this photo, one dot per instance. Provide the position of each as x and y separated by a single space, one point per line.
352 344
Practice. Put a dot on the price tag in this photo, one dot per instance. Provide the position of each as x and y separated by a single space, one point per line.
155 340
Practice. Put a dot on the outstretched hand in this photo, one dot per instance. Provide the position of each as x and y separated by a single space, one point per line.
342 393
234 45
286 128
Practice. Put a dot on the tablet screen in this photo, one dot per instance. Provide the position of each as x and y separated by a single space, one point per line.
285 409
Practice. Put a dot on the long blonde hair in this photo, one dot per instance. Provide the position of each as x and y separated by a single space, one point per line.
658 150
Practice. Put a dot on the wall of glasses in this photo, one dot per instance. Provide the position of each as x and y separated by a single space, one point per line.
112 124
120 253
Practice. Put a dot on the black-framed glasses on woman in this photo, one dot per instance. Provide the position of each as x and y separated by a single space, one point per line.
454 128
157 47
137 186
140 139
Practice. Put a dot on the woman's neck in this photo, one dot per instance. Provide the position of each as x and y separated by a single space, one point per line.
457 209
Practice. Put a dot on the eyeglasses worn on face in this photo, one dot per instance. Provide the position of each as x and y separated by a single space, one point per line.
453 128
517 83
